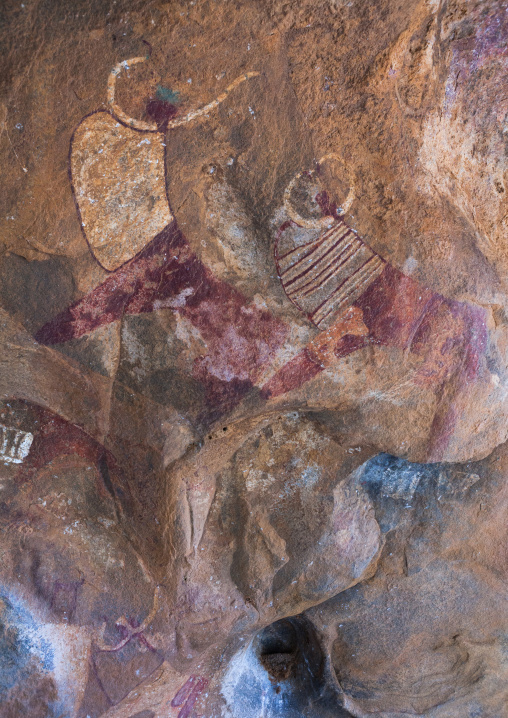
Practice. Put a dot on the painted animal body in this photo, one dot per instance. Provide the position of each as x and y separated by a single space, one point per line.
119 185
325 276
241 338
362 301
117 167
350 293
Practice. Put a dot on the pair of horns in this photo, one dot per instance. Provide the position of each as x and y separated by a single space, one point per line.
322 221
152 126
201 112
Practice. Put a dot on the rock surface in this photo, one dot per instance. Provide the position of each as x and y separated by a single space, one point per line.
254 378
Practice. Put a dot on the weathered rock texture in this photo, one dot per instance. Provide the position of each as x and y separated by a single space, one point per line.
254 368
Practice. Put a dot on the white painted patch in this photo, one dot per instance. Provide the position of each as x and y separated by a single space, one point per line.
189 334
132 346
125 179
410 265
14 445
175 302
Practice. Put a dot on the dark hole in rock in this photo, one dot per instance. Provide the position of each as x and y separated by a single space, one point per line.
279 637
278 649
284 672
289 651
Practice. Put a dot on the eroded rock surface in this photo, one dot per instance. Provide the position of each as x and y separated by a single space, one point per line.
254 370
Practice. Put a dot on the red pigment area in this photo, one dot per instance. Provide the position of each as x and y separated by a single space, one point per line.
188 694
241 338
450 336
161 112
292 375
393 307
56 437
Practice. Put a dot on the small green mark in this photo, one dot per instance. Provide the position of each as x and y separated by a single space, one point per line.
167 95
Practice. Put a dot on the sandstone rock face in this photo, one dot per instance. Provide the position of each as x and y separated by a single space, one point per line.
254 369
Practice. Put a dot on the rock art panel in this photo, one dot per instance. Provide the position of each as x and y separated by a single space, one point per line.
344 288
105 160
252 268
356 299
383 308
119 174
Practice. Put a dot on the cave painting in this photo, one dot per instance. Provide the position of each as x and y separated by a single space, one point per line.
117 166
14 445
322 277
155 271
187 696
131 629
357 299
342 286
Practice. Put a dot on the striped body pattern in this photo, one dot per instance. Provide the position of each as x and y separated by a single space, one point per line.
14 445
325 276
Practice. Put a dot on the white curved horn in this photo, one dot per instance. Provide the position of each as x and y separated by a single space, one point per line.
322 221
115 109
152 126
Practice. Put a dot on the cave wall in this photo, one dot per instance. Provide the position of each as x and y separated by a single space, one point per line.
254 368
